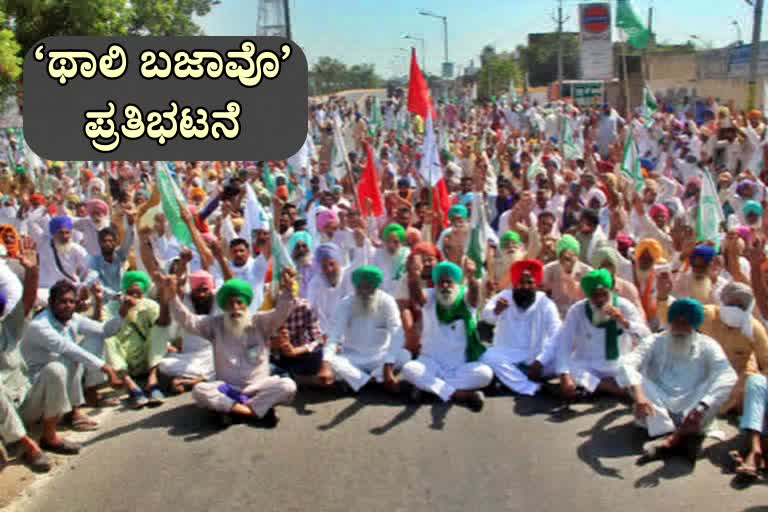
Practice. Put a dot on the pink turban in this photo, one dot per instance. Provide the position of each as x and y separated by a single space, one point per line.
200 278
659 208
412 236
97 207
324 218
623 242
744 232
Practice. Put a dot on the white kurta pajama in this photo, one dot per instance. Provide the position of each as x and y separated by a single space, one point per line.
521 337
360 344
442 367
195 359
242 362
675 382
325 299
581 347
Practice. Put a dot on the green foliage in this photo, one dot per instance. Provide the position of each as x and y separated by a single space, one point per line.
330 75
540 58
10 62
496 71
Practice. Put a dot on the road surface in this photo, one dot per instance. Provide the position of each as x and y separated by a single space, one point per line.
341 453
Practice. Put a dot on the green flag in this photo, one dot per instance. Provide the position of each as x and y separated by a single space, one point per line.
571 150
626 19
172 201
269 180
630 163
710 217
650 107
477 241
536 167
280 256
374 123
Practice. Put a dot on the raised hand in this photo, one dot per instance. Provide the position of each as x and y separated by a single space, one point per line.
28 256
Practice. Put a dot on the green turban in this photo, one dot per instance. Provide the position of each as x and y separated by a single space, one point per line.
369 274
596 279
20 170
690 309
234 288
397 229
568 243
603 254
509 236
135 277
446 267
458 210
299 236
753 207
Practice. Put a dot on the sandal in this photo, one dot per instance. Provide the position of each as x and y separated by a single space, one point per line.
83 424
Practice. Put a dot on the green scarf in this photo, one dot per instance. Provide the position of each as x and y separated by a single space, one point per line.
612 333
460 311
398 262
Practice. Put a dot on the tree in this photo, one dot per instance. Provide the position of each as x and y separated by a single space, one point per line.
331 75
496 72
10 62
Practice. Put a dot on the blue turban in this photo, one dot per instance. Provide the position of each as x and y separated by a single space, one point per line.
466 198
703 251
446 267
59 223
647 163
327 250
299 236
753 207
690 309
3 302
458 210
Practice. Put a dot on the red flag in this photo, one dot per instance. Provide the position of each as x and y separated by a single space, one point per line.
441 202
419 100
368 188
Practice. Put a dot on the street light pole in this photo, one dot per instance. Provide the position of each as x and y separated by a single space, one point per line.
423 50
756 26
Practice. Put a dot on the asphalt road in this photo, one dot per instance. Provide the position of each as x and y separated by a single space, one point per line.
341 453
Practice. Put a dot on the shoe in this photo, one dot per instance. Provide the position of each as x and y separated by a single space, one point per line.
656 451
476 401
39 463
137 400
63 447
156 397
269 420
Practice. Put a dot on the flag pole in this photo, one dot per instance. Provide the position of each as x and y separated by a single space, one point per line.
626 77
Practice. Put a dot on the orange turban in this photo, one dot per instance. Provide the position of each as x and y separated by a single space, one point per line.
11 247
197 194
651 245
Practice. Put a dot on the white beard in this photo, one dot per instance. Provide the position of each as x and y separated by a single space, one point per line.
366 306
598 315
236 327
101 223
65 249
680 346
447 298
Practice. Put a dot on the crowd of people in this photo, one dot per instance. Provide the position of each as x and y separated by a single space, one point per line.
535 264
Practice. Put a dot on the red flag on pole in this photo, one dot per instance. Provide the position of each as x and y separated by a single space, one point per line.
441 202
419 100
368 188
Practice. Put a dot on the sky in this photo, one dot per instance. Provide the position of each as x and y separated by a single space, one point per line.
370 31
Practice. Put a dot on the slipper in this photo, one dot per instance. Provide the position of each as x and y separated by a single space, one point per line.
104 402
83 424
747 471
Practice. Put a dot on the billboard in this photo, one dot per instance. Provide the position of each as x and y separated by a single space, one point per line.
739 59
596 49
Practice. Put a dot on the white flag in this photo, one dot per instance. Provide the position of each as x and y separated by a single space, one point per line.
430 168
255 218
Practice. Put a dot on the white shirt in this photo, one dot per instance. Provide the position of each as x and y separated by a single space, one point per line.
325 298
445 344
523 334
74 263
253 272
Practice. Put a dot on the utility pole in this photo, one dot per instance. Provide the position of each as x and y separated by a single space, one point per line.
559 20
756 26
287 19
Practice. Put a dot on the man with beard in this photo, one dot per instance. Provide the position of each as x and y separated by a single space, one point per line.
590 235
244 387
510 252
596 332
742 337
449 364
698 282
53 357
191 361
110 263
648 252
366 339
98 218
133 351
249 269
300 248
328 285
561 277
391 259
678 380
60 257
423 258
525 320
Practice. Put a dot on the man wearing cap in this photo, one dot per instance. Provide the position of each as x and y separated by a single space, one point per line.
98 218
300 248
449 364
525 320
561 277
596 332
329 285
700 282
191 360
742 336
133 351
244 387
60 257
678 380
366 338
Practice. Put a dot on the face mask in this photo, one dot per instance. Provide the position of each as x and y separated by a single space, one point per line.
732 316
523 297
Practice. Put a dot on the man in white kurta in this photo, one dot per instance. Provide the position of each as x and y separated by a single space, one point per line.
449 364
329 285
60 257
596 332
366 339
678 378
525 320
